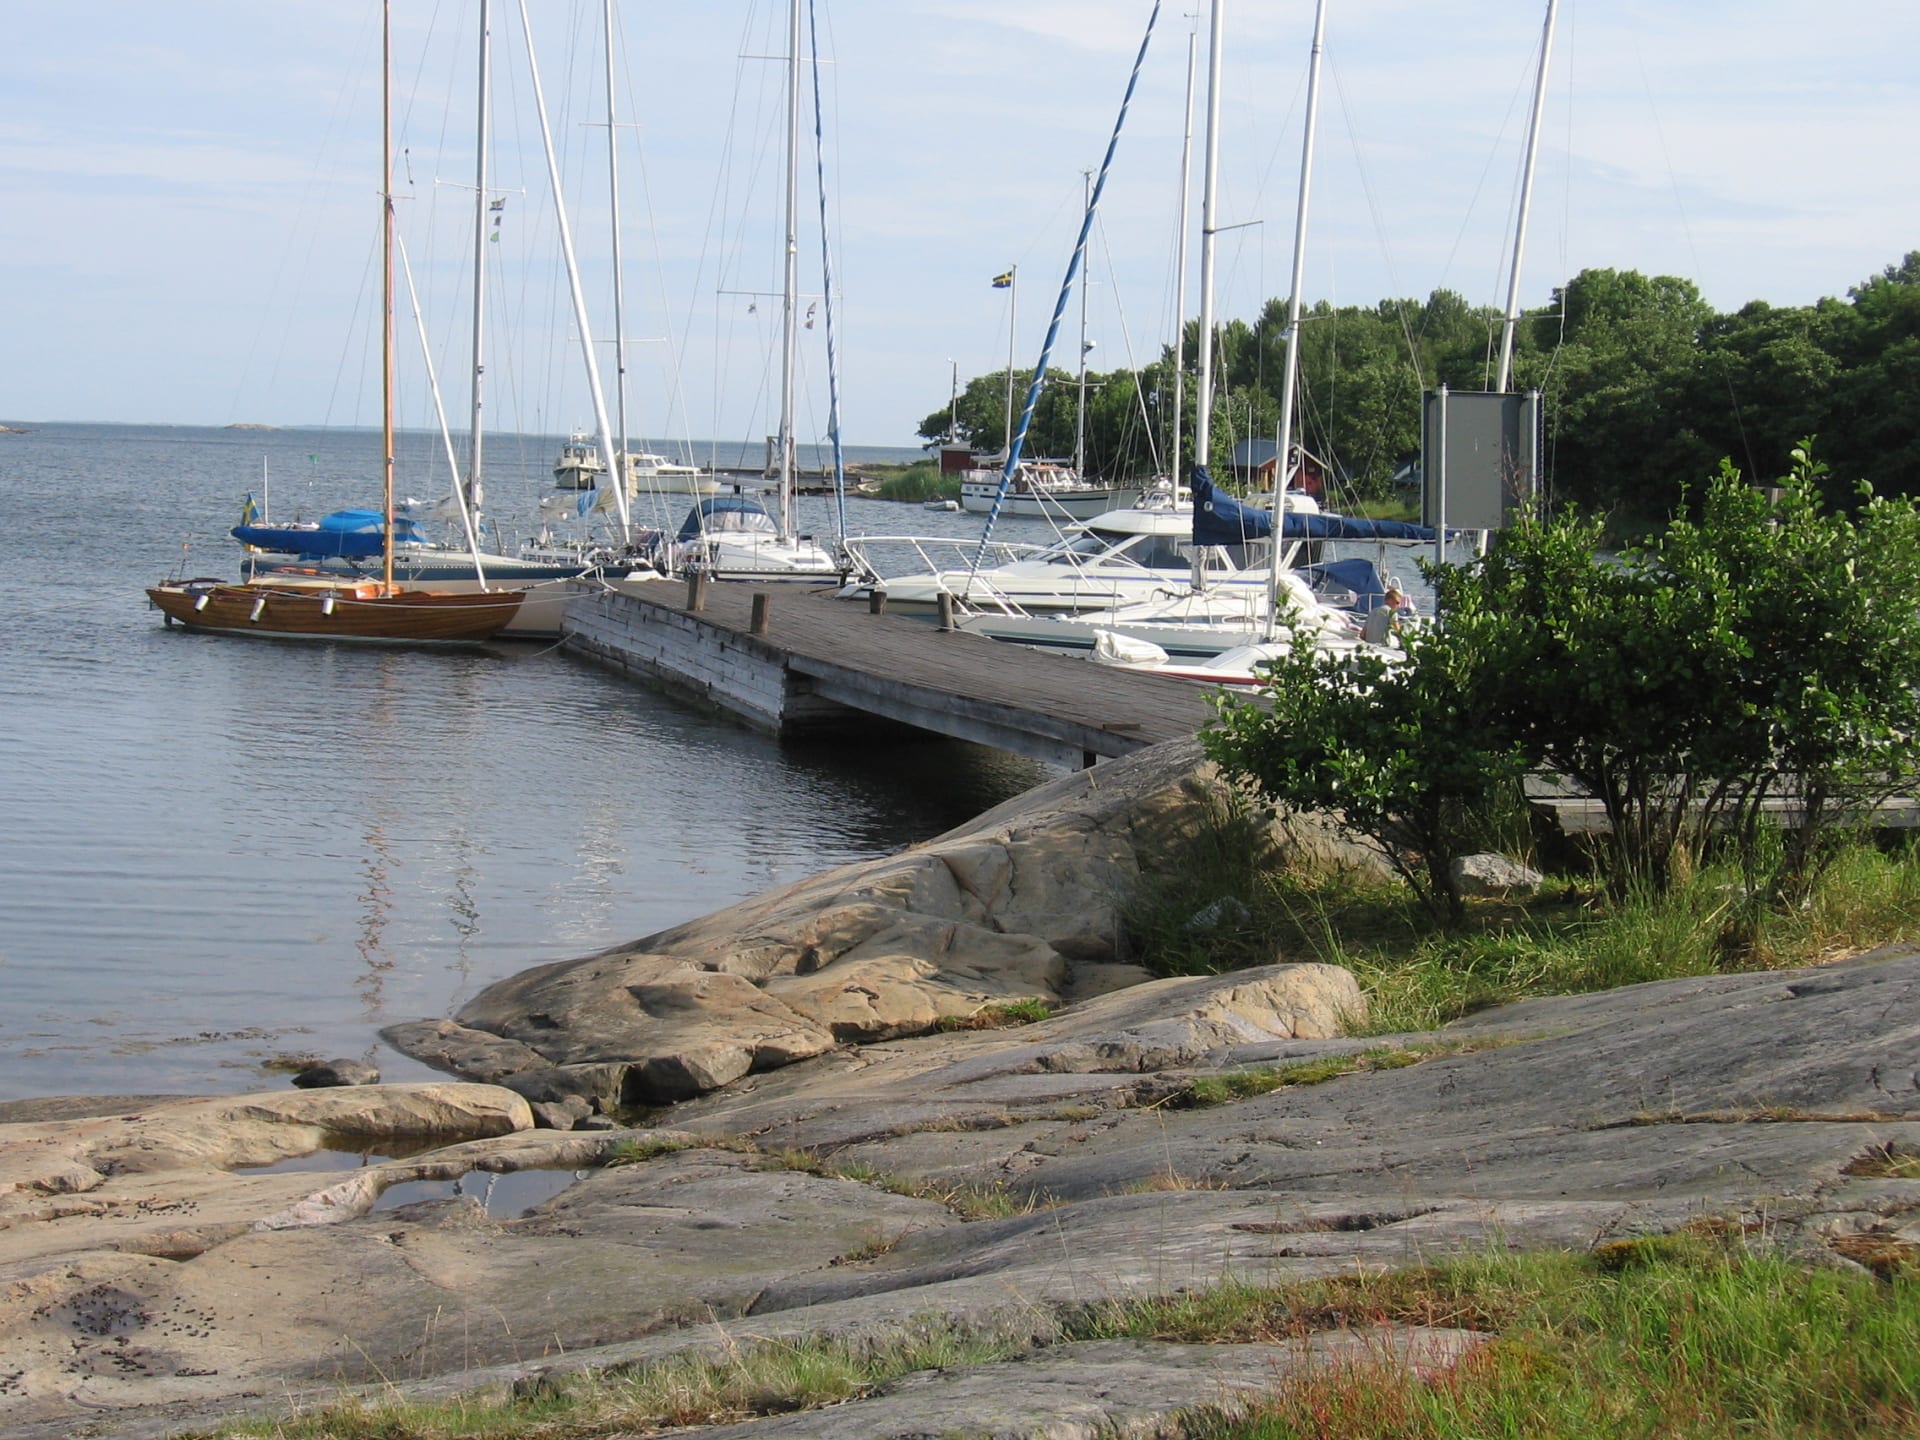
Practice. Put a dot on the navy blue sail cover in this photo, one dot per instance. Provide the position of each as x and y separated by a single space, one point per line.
1220 519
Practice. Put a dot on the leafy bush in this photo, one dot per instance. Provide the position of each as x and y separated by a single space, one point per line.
1758 664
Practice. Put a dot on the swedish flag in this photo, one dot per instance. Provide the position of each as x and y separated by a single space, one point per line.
1002 282
249 512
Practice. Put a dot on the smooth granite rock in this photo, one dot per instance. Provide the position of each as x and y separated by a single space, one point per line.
147 1280
1025 903
168 1262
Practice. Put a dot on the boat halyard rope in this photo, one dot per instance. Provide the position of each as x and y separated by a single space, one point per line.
1014 447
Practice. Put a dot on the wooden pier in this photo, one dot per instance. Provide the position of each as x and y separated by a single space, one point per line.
792 659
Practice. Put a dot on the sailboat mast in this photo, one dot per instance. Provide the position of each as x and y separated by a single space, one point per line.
790 285
1209 201
1080 404
386 291
619 284
1526 205
1290 378
595 392
1180 268
483 109
1290 375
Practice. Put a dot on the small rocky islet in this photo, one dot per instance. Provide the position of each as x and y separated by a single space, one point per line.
167 1266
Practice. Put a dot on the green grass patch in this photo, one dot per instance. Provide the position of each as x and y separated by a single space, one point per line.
1227 905
1024 1011
1231 1085
743 1382
921 481
1682 1335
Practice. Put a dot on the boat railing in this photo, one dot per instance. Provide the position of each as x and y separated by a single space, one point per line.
872 558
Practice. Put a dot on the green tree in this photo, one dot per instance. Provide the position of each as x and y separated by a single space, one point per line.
1873 426
1623 352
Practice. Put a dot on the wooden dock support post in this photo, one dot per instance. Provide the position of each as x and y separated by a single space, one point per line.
757 621
876 601
696 591
946 610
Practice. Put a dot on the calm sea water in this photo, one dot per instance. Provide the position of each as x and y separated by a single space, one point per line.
220 851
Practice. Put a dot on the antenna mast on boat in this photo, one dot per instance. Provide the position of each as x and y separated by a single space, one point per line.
1209 201
1526 205
386 292
1290 382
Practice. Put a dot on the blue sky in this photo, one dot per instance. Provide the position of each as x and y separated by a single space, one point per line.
191 189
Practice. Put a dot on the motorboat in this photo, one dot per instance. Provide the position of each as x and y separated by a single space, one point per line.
1046 488
656 474
1137 553
579 465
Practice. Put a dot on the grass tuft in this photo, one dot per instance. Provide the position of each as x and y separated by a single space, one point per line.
1231 1085
1000 1016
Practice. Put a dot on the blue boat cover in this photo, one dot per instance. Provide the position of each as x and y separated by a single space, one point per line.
346 534
1219 519
1357 574
725 513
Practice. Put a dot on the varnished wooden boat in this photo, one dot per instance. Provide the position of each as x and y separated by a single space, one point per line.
327 610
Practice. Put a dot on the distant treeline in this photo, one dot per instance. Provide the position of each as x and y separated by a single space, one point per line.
1646 388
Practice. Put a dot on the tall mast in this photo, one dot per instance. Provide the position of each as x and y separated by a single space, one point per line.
1080 404
790 286
1290 380
595 392
619 288
1290 376
386 291
475 429
1180 269
1209 201
1526 204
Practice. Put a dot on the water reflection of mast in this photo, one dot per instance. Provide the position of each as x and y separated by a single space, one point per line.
376 912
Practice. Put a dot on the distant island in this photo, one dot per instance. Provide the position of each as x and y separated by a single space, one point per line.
11 430
250 425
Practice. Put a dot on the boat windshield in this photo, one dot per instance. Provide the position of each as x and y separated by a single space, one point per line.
1078 549
728 515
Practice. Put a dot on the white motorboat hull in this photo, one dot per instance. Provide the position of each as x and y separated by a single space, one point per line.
977 498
